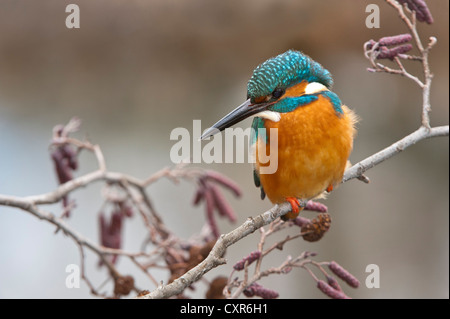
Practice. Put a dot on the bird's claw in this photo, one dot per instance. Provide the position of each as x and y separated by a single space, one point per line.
296 208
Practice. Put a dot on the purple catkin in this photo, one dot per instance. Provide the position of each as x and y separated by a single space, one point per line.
301 221
423 8
330 291
63 172
395 40
413 7
70 155
65 160
62 169
383 52
369 44
402 49
221 204
115 225
316 207
103 227
339 271
423 14
111 232
126 210
386 53
333 283
249 259
199 195
232 186
210 214
256 289
249 292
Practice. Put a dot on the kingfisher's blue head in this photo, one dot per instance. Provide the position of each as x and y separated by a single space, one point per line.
278 85
284 71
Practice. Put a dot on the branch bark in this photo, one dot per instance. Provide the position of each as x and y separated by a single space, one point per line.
420 134
215 257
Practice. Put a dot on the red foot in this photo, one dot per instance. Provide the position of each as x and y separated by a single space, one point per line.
329 188
296 208
294 204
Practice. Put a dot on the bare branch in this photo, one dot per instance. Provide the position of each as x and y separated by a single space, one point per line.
215 257
420 134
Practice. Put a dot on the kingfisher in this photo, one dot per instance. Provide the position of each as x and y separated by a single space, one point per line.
291 93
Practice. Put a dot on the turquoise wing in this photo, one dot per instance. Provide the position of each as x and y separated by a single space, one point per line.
257 123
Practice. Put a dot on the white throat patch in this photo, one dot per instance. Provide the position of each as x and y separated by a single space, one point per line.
315 87
269 115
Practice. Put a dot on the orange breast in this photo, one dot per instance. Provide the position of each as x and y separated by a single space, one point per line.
313 147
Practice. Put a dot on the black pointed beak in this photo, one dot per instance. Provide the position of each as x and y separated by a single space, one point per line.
240 113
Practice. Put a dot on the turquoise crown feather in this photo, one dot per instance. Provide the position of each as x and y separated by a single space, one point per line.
285 70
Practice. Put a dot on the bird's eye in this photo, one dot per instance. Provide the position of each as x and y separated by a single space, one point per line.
277 93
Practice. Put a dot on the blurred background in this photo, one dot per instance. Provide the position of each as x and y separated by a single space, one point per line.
135 70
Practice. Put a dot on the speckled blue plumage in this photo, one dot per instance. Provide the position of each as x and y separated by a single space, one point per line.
291 103
335 100
285 70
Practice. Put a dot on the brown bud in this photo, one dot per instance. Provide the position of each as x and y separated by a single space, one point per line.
197 254
123 285
316 228
215 290
205 249
143 293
